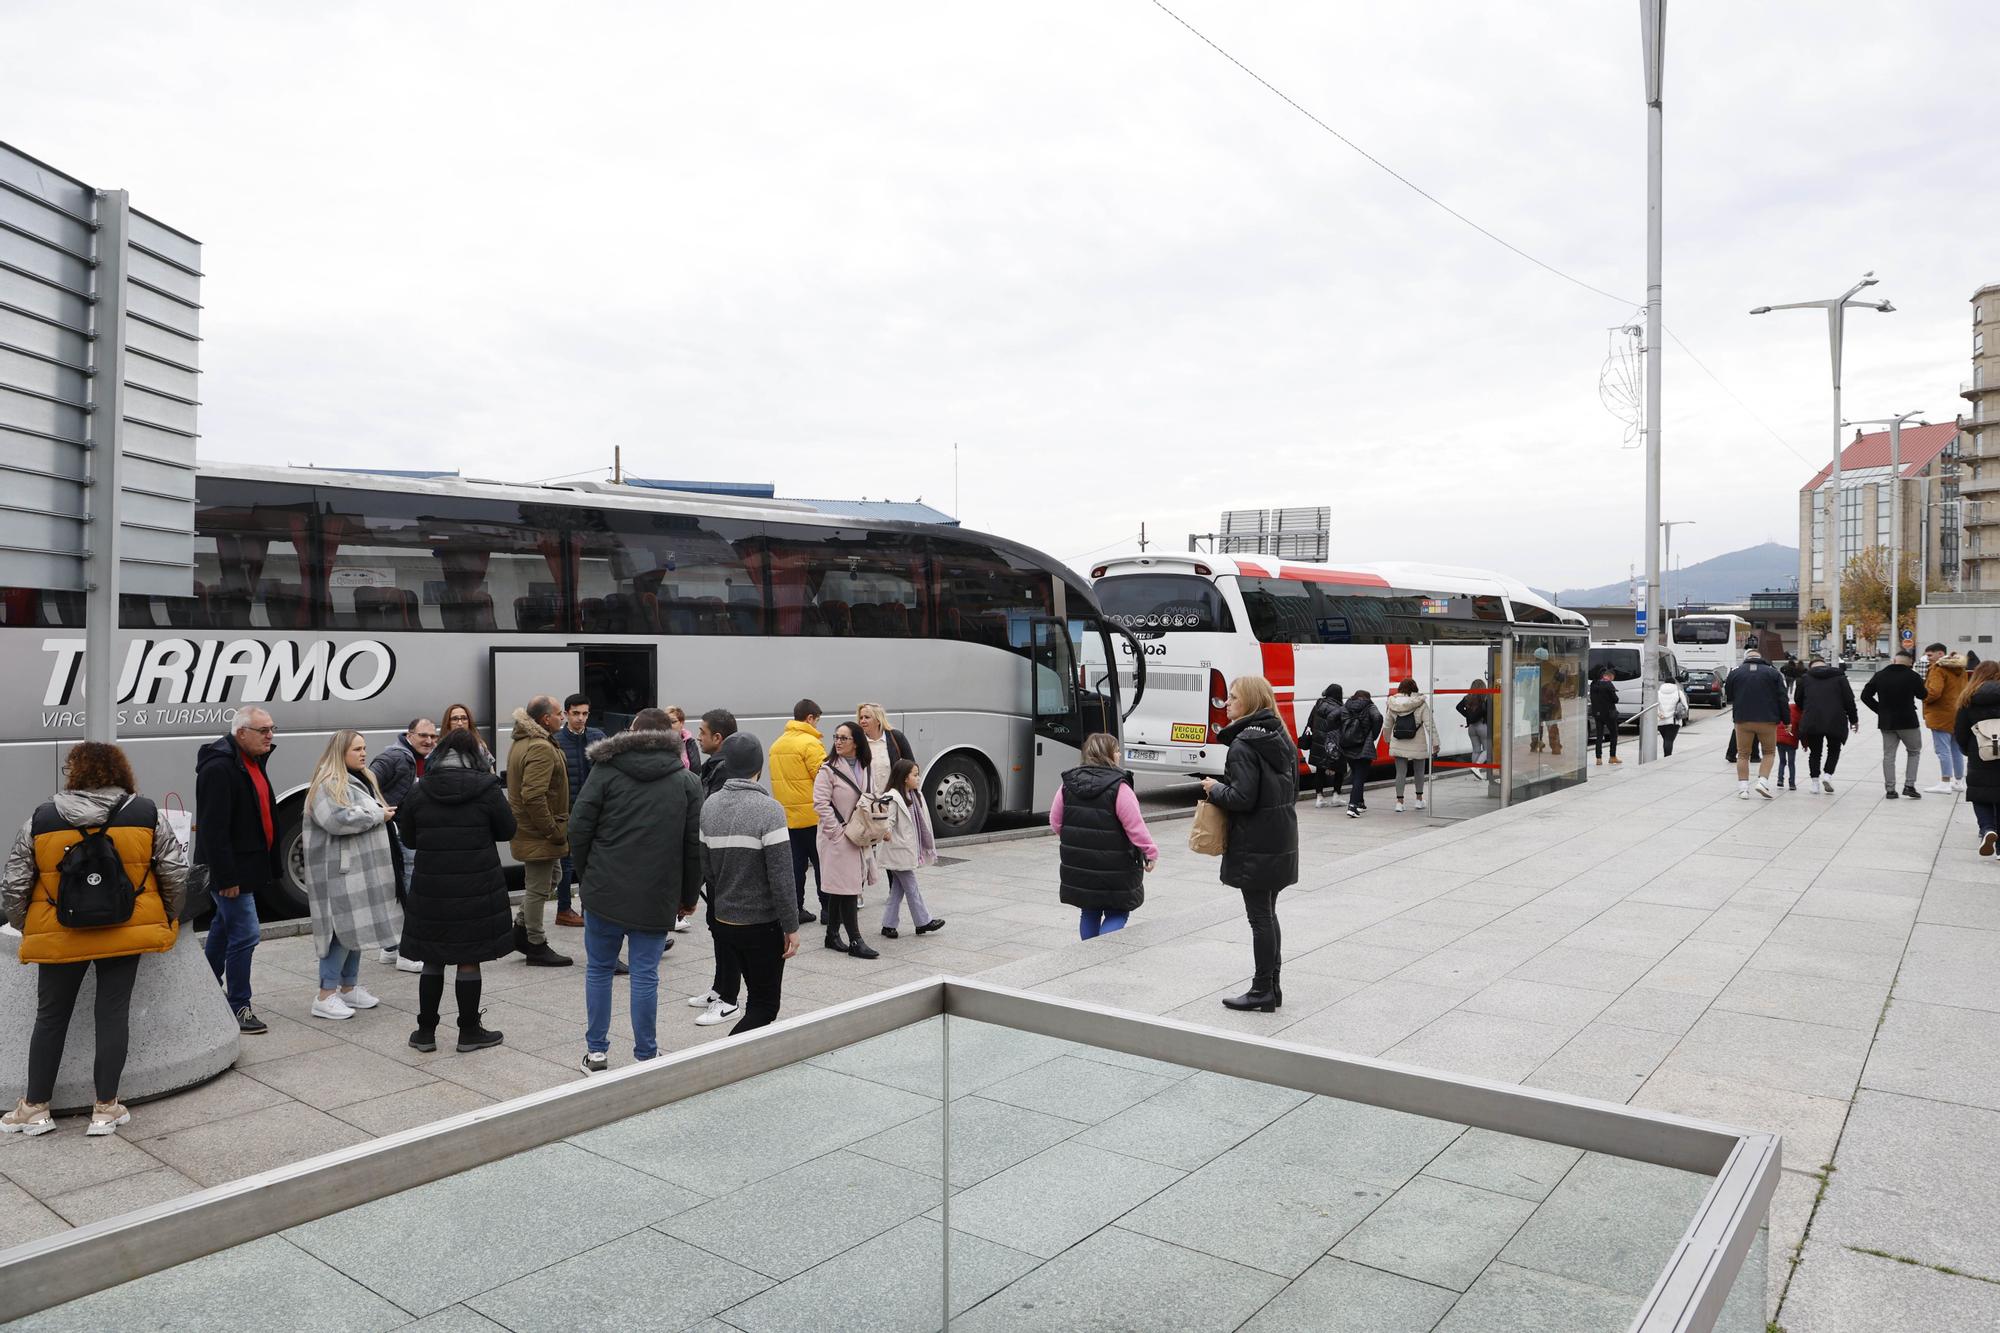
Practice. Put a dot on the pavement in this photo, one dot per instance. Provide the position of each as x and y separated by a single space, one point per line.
1821 966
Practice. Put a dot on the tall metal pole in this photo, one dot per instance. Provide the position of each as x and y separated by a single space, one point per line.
1653 38
1895 425
107 429
1836 318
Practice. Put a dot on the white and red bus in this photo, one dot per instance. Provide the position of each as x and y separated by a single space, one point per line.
1202 620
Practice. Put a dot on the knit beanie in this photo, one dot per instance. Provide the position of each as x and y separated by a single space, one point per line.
742 756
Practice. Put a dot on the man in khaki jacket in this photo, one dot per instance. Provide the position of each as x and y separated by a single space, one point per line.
538 791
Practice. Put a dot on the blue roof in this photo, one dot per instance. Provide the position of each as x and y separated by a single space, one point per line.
895 511
748 490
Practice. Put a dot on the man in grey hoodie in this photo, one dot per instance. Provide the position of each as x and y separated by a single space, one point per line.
749 872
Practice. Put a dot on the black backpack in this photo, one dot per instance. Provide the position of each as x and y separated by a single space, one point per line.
1405 726
92 888
1357 731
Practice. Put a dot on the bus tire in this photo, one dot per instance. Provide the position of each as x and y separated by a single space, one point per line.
960 795
285 900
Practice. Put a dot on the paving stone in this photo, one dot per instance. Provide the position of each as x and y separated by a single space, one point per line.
784 1224
1811 1058
230 1093
1847 1004
1102 1284
285 1037
1611 1222
454 1319
1504 1163
1656 1010
1436 1231
1509 1297
577 1201
1810 1125
1077 1089
1862 937
1775 956
1540 1002
891 1283
1376 1017
23 1218
1193 1121
1482 1045
1927 1050
125 1194
337 1075
1334 1296
502 1072
1886 909
1697 967
1836 1290
1949 902
1604 1061
1917 1177
642 1280
244 1145
1952 965
987 1137
908 1058
1306 993
65 1159
1354 961
262 1285
1593 969
1048 1203
421 1105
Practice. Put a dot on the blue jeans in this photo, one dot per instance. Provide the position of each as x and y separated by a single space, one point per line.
341 967
1091 923
600 947
232 937
1988 816
565 878
1951 759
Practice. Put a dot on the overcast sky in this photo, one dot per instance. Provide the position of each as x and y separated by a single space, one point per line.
816 244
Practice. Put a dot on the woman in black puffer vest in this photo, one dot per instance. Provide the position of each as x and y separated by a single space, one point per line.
1260 792
1105 848
456 910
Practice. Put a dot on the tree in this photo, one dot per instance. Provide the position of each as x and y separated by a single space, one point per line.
1864 593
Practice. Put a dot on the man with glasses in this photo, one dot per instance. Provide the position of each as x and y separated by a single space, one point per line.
398 768
236 837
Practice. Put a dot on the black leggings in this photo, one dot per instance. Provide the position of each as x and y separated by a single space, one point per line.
1668 730
1832 744
1266 939
757 954
56 988
1357 783
843 910
1325 775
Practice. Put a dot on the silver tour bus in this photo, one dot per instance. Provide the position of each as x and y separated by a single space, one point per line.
349 600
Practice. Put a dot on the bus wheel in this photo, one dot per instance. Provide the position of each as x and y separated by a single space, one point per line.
960 796
286 899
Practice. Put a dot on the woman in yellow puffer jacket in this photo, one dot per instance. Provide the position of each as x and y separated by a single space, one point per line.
98 792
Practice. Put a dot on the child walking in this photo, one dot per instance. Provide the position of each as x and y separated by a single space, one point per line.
1788 749
1106 851
910 845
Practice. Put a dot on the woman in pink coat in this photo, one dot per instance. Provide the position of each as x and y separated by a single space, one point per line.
844 869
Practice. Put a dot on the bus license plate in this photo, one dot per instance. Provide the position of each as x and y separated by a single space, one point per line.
1189 733
1144 756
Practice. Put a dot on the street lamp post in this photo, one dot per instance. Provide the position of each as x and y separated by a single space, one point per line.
1653 49
1836 319
1666 603
1895 425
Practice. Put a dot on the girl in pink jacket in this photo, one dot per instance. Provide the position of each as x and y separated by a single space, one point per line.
1106 851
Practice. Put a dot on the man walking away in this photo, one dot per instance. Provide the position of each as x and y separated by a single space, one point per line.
1757 703
538 791
575 737
746 835
1894 694
795 760
719 1003
1826 712
397 769
236 837
1944 682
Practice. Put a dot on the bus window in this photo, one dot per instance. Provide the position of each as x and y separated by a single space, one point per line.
40 608
982 597
847 582
1280 610
248 573
642 572
1701 629
1186 602
398 563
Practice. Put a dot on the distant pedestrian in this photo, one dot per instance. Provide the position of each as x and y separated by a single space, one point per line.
1360 726
691 751
636 838
750 882
350 875
1604 713
1104 848
1673 714
574 737
1477 710
910 848
1895 694
456 911
720 1002
538 790
795 761
1826 714
1977 730
1944 683
397 769
459 718
99 792
1321 743
1788 748
846 868
1413 738
1260 791
236 837
1757 704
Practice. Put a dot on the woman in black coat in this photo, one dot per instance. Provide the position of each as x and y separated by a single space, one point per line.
1260 791
1827 711
1981 703
1321 743
456 910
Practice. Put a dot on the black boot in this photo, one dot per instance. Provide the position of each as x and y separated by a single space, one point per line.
859 949
472 1035
1262 997
430 994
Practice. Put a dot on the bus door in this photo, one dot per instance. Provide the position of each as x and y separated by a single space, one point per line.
1058 721
519 674
621 679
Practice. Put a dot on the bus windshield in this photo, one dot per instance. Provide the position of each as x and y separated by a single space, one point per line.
1701 630
1155 602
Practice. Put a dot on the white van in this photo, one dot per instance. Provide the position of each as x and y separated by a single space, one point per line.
1624 658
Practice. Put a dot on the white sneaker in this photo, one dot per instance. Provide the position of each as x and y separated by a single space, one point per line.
1420 803
1958 784
594 1062
1399 807
1763 789
703 1000
683 924
1826 785
105 1118
408 964
386 956
1942 789
1743 792
359 998
719 1012
1319 801
331 1007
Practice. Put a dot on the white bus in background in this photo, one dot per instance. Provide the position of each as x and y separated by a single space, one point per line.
1202 620
349 600
1712 640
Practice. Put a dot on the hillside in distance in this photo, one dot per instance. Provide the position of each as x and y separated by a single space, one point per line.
1731 577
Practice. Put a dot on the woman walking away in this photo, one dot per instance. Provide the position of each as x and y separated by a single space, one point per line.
750 880
459 718
910 847
1260 792
845 866
1604 713
1977 731
1944 686
1106 852
1673 715
1478 715
350 873
1826 711
99 796
1360 726
1413 738
1321 742
457 909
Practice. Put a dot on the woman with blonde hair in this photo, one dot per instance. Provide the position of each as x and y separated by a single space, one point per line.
887 746
1259 791
350 873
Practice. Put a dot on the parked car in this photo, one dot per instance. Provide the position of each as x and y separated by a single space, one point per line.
1623 659
1703 688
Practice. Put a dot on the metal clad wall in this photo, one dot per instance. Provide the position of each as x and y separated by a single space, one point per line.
49 317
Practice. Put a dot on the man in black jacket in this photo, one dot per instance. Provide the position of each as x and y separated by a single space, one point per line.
1757 703
719 1003
1895 694
1826 715
236 837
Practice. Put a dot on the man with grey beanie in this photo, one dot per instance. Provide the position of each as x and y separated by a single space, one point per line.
749 872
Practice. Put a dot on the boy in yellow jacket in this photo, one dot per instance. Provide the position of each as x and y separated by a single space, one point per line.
794 762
